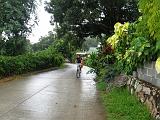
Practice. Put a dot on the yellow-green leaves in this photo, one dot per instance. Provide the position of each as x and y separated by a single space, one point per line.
157 65
130 48
121 31
150 18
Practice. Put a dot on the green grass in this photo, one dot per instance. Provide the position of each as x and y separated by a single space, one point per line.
101 86
120 105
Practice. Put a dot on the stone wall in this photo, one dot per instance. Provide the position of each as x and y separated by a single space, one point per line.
146 93
148 73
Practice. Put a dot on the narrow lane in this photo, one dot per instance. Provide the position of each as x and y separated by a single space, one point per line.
52 95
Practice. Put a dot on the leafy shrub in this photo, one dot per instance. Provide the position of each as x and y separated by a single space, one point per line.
149 23
29 62
92 62
103 66
130 49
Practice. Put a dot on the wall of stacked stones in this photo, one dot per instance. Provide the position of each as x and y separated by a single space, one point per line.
145 84
146 93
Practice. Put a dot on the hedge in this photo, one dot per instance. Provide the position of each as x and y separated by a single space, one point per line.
29 62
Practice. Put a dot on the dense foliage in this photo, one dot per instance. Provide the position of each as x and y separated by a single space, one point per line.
124 51
149 26
150 19
91 17
132 44
130 50
138 42
44 42
65 48
29 62
66 45
102 64
15 25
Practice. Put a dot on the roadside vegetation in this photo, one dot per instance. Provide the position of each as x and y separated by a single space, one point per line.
29 62
121 105
129 47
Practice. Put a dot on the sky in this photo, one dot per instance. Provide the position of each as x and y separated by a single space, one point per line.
43 26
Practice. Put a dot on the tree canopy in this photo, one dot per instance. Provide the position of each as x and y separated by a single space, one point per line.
91 17
15 16
44 42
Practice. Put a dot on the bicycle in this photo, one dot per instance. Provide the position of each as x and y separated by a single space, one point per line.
78 72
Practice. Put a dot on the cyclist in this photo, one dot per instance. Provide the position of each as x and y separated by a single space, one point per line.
79 62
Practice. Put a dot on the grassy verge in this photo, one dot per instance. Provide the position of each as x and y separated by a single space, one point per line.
120 105
101 86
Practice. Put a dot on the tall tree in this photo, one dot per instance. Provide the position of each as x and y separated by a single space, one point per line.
14 22
91 17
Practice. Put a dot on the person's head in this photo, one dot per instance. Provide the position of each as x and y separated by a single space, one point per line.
78 56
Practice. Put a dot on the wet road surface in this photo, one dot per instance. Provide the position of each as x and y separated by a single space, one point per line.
52 95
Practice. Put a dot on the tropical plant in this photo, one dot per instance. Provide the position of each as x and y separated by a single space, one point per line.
130 49
103 66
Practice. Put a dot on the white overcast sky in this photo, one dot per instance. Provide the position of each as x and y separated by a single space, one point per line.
43 26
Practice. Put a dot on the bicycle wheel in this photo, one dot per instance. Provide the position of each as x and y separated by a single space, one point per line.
78 73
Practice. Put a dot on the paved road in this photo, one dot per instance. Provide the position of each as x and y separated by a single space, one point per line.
52 95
